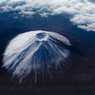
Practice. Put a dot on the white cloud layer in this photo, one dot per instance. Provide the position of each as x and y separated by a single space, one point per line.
83 11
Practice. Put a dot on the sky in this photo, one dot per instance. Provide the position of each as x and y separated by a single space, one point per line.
81 12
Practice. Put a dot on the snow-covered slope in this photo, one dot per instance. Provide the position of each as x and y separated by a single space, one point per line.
35 50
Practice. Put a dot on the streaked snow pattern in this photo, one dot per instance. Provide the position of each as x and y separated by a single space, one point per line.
35 50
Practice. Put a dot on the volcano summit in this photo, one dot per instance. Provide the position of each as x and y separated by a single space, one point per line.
35 50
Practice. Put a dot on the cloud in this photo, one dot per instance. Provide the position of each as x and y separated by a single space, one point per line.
82 11
88 27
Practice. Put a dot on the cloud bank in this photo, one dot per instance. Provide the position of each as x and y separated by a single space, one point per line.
82 11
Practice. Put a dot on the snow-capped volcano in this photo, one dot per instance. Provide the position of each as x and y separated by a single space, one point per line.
35 50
